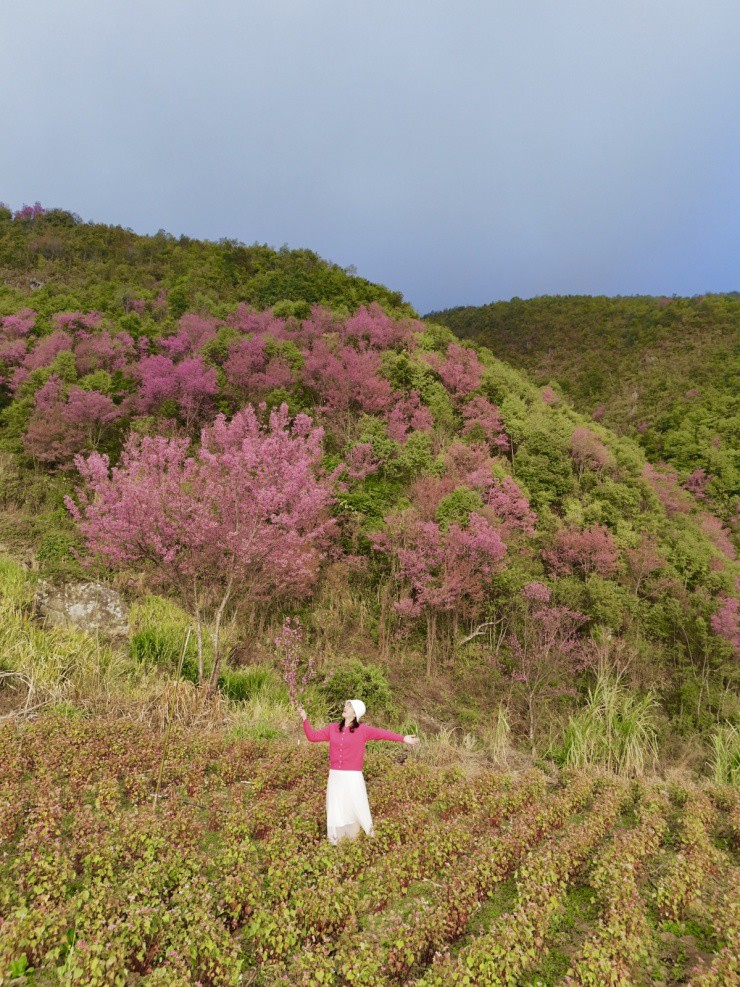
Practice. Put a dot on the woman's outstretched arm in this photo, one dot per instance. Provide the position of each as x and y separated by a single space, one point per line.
313 735
375 733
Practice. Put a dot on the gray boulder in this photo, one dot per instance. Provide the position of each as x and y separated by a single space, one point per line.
93 607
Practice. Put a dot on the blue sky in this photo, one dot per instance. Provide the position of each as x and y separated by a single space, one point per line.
460 153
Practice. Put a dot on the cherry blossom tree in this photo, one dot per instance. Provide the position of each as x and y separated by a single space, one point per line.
663 481
47 348
408 415
72 321
726 622
190 383
545 649
696 483
373 326
103 351
441 571
62 425
588 550
19 325
483 421
241 521
588 452
29 213
193 332
250 368
460 371
506 500
346 379
643 560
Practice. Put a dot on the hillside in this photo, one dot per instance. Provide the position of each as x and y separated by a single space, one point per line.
665 371
265 436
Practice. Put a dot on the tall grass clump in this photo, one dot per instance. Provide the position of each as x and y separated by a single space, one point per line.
615 730
725 760
158 631
496 737
16 583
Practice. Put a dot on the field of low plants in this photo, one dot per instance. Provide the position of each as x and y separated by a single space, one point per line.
498 878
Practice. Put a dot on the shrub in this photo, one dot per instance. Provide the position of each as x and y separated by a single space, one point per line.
243 684
358 681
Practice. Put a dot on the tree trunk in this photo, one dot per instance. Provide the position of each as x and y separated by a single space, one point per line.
530 709
431 635
199 639
217 636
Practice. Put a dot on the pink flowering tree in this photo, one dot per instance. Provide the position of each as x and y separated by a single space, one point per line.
193 332
19 325
588 452
371 325
47 348
726 622
29 213
103 351
346 379
663 481
506 499
241 522
588 550
250 369
460 370
62 425
441 572
408 415
190 384
643 560
483 422
545 650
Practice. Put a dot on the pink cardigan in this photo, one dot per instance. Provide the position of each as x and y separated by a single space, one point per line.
347 750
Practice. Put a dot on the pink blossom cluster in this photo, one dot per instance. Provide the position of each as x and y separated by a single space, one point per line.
726 622
29 212
585 550
288 643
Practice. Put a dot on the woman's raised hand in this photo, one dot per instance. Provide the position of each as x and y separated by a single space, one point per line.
301 710
411 740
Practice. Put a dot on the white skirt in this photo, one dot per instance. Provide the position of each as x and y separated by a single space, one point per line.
347 808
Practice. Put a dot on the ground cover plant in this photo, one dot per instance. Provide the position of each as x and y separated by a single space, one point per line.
230 880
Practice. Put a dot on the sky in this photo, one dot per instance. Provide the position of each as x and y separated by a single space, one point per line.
460 153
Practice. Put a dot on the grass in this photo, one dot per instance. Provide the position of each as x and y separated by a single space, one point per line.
725 760
615 730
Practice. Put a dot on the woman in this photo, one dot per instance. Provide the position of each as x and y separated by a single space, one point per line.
347 808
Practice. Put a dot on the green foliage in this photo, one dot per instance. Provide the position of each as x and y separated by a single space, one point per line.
243 684
457 507
669 366
357 680
158 632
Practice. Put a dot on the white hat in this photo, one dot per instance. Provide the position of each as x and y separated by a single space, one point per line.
358 706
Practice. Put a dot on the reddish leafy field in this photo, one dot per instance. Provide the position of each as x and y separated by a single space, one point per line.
518 879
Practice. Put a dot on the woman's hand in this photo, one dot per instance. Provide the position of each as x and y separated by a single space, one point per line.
411 740
301 710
